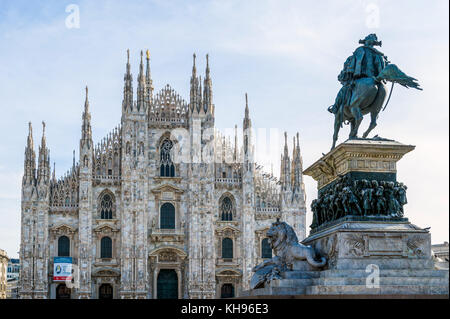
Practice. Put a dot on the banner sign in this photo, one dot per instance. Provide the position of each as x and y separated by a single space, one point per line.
62 268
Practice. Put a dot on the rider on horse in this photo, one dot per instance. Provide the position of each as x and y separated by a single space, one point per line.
366 61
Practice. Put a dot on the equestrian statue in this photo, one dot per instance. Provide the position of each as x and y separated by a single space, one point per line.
363 91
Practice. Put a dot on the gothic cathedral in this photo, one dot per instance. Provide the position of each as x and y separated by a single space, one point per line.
163 207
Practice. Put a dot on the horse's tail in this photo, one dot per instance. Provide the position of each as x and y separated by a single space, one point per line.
393 74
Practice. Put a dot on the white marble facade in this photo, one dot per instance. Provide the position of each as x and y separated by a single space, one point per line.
176 202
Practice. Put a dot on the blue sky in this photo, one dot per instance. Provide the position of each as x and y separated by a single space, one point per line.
285 54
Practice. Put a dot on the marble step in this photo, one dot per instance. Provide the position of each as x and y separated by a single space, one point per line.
384 281
273 291
297 283
354 273
384 263
383 289
300 274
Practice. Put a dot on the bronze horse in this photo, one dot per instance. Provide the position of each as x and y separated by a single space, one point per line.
367 96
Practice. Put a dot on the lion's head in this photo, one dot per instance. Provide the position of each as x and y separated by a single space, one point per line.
281 234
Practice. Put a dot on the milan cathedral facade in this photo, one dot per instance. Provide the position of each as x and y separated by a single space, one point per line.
163 207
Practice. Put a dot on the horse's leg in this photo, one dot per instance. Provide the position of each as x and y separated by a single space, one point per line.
373 123
337 126
357 119
352 127
376 108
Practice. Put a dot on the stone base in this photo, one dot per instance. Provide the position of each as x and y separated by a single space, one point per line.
366 258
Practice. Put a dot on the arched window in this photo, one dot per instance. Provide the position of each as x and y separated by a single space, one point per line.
106 247
266 250
226 209
63 246
227 248
106 207
167 169
227 291
167 220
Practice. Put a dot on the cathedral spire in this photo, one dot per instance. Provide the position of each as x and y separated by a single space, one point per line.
247 121
247 132
86 131
195 90
43 140
30 159
127 103
285 169
297 167
86 101
44 159
30 137
199 97
207 90
194 68
141 90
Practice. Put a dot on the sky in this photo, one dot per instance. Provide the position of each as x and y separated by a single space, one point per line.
285 54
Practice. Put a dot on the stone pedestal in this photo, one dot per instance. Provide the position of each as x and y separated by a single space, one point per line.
371 257
373 250
359 159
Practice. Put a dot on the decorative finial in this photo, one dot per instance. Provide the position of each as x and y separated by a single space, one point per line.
30 128
148 54
43 127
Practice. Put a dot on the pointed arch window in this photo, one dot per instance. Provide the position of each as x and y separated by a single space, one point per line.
63 246
266 250
106 247
167 169
167 216
106 207
226 209
227 248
